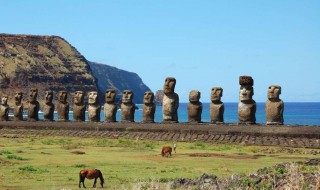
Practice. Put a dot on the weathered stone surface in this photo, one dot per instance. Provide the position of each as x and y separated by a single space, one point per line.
34 106
159 97
247 106
63 106
274 106
48 108
4 108
94 108
216 106
127 106
79 109
194 107
148 108
170 102
18 107
110 108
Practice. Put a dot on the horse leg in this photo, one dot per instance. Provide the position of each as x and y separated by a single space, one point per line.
80 180
95 181
83 183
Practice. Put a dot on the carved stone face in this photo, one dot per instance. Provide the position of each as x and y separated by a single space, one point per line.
110 95
148 97
48 96
194 96
78 97
216 94
246 93
62 96
274 92
18 97
93 97
169 85
33 93
127 96
4 100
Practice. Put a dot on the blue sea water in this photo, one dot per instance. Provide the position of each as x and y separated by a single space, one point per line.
295 113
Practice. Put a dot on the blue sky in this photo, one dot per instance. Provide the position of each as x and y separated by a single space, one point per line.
200 43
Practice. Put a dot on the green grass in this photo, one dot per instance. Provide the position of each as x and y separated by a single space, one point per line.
53 162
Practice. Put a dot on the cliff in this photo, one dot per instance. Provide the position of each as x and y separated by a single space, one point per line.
112 77
51 63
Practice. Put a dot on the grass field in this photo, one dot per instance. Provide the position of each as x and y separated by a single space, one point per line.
55 162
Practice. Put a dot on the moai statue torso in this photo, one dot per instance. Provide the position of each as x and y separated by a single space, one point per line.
110 108
148 108
127 106
170 101
274 106
246 106
18 107
63 106
34 106
216 106
79 109
194 107
48 107
94 108
4 108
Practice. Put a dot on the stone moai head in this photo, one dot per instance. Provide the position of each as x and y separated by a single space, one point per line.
62 96
48 96
274 92
78 97
194 96
93 97
246 89
110 95
33 94
148 97
4 100
18 97
127 96
169 85
216 94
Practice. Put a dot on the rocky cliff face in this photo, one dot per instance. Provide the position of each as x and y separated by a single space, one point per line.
51 63
112 77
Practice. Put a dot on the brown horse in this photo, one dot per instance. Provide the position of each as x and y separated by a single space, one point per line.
90 174
166 150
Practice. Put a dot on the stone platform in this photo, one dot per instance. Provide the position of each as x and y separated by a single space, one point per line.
287 136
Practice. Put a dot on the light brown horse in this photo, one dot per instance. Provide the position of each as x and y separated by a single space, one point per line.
90 174
166 150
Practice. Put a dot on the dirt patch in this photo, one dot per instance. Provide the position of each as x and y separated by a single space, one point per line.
232 156
45 153
77 152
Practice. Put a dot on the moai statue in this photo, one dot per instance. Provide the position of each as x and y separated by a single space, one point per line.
34 106
4 108
194 107
18 107
216 106
79 109
63 106
127 107
274 106
170 101
110 108
247 106
148 108
94 108
48 108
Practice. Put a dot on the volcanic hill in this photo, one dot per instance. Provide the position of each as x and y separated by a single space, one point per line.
51 63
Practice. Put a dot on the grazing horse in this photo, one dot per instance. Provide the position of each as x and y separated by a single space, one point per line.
90 174
166 150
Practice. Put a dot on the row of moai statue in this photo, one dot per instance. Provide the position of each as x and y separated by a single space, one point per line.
246 107
170 104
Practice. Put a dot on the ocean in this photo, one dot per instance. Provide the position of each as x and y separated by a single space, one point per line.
295 113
